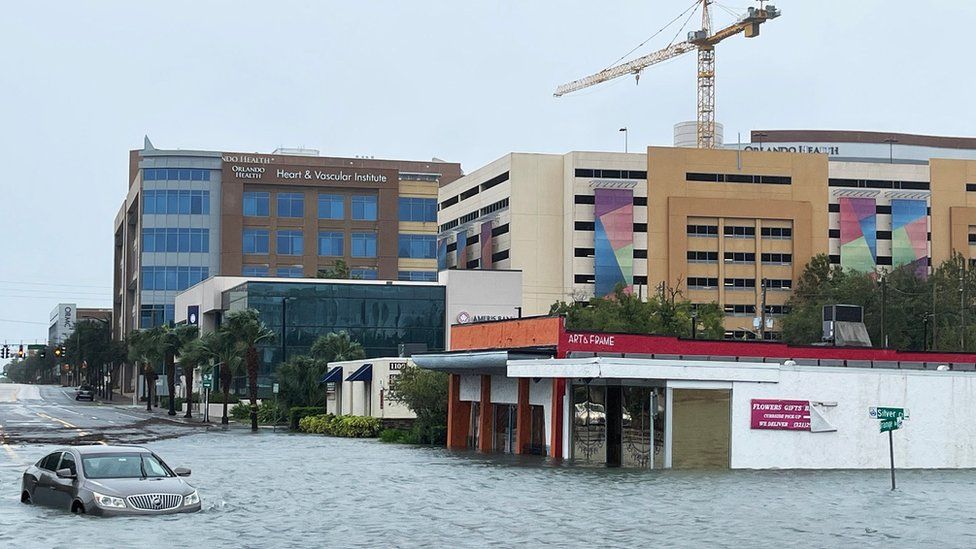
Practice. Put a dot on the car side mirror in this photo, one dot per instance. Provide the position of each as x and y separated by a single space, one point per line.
65 473
182 472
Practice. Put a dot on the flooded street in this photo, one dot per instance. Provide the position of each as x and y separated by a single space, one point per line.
289 490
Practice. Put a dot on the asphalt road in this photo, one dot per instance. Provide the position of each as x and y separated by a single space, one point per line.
49 414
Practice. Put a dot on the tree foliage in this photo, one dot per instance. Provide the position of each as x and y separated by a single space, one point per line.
340 270
666 313
336 347
920 313
424 392
298 381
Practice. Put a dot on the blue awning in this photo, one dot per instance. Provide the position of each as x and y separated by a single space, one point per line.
364 373
333 376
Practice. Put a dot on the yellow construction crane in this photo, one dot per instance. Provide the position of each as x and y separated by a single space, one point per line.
704 41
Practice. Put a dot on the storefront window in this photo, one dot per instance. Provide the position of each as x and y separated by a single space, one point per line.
589 424
505 429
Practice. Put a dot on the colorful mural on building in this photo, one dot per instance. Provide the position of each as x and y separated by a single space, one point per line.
858 234
486 245
613 240
909 235
461 251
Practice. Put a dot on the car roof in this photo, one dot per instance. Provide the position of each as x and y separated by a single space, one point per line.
102 449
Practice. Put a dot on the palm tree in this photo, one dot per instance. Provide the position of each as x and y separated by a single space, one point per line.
249 331
299 380
143 347
222 347
337 347
171 341
192 355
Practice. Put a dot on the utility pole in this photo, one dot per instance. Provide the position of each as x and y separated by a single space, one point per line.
884 307
962 307
762 311
935 322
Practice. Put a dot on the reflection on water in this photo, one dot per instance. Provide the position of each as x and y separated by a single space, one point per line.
270 490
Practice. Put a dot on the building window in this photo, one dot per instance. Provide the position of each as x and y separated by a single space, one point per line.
702 283
332 206
256 204
175 174
778 284
364 208
703 230
418 209
699 257
778 259
291 271
172 278
176 202
418 246
740 257
363 244
740 310
255 270
777 310
289 243
494 207
780 233
734 231
330 244
151 316
363 274
256 241
291 205
418 276
176 240
740 283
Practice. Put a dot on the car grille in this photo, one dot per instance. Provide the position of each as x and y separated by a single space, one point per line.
155 502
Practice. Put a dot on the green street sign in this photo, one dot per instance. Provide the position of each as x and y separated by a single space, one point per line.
208 381
892 424
884 412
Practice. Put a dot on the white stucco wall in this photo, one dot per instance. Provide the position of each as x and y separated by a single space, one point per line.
504 390
940 431
470 388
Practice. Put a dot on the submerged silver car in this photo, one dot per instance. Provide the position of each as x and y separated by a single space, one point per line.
108 480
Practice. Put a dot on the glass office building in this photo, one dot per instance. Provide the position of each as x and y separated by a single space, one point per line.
380 316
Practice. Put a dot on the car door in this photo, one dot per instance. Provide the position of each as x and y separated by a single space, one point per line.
44 488
63 489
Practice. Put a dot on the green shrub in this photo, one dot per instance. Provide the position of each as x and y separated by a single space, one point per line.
297 413
216 397
267 412
399 436
340 426
240 411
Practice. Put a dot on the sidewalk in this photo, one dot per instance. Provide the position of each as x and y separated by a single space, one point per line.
161 412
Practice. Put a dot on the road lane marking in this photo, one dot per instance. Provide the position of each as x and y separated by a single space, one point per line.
61 421
7 448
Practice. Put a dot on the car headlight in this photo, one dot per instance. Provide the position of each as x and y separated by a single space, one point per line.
108 501
192 499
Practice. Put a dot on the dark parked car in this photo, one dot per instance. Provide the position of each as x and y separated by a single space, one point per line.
108 480
85 392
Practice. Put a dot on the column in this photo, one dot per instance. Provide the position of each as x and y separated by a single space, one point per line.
556 419
524 415
485 412
458 414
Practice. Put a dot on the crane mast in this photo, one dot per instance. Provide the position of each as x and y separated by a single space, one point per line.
704 41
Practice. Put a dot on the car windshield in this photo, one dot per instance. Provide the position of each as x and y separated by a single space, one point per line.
84 388
124 465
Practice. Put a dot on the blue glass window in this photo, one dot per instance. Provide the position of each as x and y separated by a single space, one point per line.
418 246
291 205
175 174
151 316
331 206
330 244
418 276
289 243
363 274
172 278
256 204
364 208
256 241
255 270
176 240
363 244
418 209
291 271
176 202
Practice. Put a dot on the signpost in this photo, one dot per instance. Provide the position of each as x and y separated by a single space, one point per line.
274 423
207 385
890 419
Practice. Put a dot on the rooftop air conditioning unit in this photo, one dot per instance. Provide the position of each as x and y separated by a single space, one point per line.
843 325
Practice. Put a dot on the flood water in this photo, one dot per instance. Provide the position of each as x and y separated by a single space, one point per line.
290 490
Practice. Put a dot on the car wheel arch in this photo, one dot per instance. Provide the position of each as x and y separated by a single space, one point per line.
78 507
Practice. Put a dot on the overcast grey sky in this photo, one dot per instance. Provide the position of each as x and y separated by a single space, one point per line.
82 82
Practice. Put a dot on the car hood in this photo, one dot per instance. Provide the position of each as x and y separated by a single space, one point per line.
122 487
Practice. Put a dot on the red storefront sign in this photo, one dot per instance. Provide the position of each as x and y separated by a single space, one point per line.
784 415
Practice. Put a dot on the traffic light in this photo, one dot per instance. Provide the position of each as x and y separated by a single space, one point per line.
57 351
20 352
5 352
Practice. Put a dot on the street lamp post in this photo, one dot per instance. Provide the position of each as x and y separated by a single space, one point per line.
624 129
284 344
760 136
694 325
891 143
